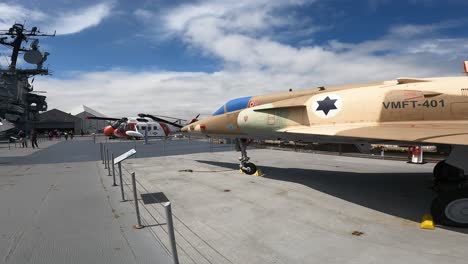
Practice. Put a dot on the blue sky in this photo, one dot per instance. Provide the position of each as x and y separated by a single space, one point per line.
185 57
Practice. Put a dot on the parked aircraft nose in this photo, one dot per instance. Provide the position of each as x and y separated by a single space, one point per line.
109 131
223 124
192 128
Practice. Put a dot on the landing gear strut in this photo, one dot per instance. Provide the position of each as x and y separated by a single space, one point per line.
246 166
450 207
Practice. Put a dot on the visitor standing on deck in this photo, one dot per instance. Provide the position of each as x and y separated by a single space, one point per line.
22 137
34 138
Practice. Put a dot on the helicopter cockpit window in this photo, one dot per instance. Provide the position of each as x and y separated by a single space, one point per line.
149 128
155 128
143 127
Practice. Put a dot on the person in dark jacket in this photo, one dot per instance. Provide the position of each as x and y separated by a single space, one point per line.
34 138
22 137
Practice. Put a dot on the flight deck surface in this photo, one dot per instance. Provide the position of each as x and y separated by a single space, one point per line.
58 206
307 208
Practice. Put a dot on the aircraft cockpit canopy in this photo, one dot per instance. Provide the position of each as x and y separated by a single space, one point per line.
122 127
233 105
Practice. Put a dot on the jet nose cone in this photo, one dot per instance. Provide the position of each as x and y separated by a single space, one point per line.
193 128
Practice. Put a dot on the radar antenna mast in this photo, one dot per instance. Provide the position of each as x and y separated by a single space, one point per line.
19 34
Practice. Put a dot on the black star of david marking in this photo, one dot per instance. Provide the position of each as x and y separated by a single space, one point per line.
326 105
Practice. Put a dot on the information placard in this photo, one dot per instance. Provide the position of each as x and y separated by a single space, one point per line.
124 156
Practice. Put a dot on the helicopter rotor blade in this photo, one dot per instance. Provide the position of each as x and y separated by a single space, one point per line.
176 118
103 118
160 120
162 116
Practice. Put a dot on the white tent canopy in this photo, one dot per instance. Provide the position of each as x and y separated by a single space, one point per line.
88 110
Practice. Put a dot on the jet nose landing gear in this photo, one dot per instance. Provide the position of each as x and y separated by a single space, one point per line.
246 166
451 208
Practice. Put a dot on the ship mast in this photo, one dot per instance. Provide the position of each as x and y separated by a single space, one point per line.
19 34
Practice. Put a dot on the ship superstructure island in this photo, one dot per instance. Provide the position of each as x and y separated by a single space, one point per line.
19 103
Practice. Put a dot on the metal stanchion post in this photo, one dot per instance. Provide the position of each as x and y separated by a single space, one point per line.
100 151
170 229
108 163
94 138
104 156
113 171
121 183
211 144
164 146
135 198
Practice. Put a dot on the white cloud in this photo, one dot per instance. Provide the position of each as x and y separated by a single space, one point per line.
65 22
185 94
240 34
211 27
241 15
78 20
11 13
411 30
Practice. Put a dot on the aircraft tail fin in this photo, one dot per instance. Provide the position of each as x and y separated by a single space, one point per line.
466 66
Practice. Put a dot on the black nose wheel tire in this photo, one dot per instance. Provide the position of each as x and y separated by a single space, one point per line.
451 208
444 172
437 172
249 168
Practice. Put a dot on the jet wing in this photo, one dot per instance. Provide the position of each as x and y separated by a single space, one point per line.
424 132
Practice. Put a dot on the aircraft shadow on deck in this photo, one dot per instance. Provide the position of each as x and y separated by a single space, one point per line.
404 195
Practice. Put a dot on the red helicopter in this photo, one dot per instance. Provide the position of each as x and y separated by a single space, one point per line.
134 127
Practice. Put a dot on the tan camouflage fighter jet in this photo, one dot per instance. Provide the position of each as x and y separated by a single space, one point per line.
432 111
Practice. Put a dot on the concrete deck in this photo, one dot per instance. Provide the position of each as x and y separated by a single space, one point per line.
56 207
304 210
